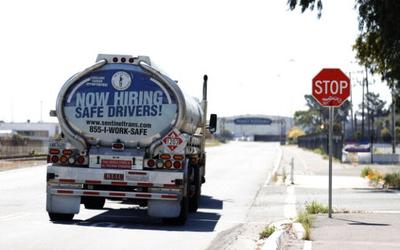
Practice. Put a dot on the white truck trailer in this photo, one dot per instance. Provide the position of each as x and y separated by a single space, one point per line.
128 133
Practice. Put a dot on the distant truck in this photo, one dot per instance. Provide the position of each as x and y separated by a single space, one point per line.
128 133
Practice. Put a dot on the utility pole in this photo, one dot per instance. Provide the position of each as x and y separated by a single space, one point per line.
368 108
362 110
393 120
351 108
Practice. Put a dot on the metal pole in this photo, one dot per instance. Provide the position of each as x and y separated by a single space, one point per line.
331 113
393 121
292 171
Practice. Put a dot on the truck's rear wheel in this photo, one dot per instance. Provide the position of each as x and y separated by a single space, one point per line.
93 202
61 217
195 198
181 219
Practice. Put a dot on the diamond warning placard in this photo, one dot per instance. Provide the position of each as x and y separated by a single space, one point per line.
173 140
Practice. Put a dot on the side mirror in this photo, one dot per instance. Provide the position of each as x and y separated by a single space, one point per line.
212 127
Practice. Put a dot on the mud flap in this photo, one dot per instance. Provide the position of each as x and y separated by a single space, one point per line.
63 204
163 209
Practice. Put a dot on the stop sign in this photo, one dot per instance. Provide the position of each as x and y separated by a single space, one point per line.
330 87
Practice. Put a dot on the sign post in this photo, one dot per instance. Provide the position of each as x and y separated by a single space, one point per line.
331 114
330 88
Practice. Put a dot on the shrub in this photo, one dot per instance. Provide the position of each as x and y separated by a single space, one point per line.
392 180
386 136
293 134
366 171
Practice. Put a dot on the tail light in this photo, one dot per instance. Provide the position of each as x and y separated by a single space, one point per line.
54 159
151 163
67 152
71 160
63 159
160 164
81 160
178 157
177 164
165 156
54 151
168 164
118 146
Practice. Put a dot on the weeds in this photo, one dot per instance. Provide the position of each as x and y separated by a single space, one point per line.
319 151
316 208
267 231
305 219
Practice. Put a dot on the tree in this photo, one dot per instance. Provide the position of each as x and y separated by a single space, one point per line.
378 44
315 119
293 134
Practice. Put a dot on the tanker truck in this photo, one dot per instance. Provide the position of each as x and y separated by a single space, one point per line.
129 134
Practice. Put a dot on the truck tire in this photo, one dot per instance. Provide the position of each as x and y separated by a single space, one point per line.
181 219
93 202
61 217
195 198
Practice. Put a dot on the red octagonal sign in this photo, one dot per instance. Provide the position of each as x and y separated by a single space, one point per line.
331 87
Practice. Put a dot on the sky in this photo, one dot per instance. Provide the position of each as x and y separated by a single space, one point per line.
259 56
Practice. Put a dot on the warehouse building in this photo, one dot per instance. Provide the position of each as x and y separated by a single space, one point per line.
255 127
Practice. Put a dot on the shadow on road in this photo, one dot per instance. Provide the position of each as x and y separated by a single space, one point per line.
361 223
137 218
376 190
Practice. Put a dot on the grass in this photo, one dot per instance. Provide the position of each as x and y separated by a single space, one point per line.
319 151
306 221
316 208
305 217
267 231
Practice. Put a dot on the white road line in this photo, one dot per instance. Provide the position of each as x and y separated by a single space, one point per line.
13 216
289 209
307 245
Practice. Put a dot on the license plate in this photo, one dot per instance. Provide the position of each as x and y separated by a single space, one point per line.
113 177
115 163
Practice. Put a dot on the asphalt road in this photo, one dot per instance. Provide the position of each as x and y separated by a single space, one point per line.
235 173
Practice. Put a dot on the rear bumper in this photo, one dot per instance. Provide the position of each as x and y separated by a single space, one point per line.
125 184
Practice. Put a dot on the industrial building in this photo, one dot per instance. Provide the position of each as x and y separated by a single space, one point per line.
255 127
31 130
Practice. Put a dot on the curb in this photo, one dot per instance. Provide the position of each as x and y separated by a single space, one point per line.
299 230
274 241
277 164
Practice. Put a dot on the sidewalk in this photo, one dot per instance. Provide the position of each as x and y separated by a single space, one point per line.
370 217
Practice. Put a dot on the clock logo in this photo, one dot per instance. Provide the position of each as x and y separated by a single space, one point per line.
121 80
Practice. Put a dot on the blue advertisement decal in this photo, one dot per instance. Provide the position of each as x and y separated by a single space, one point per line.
120 97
